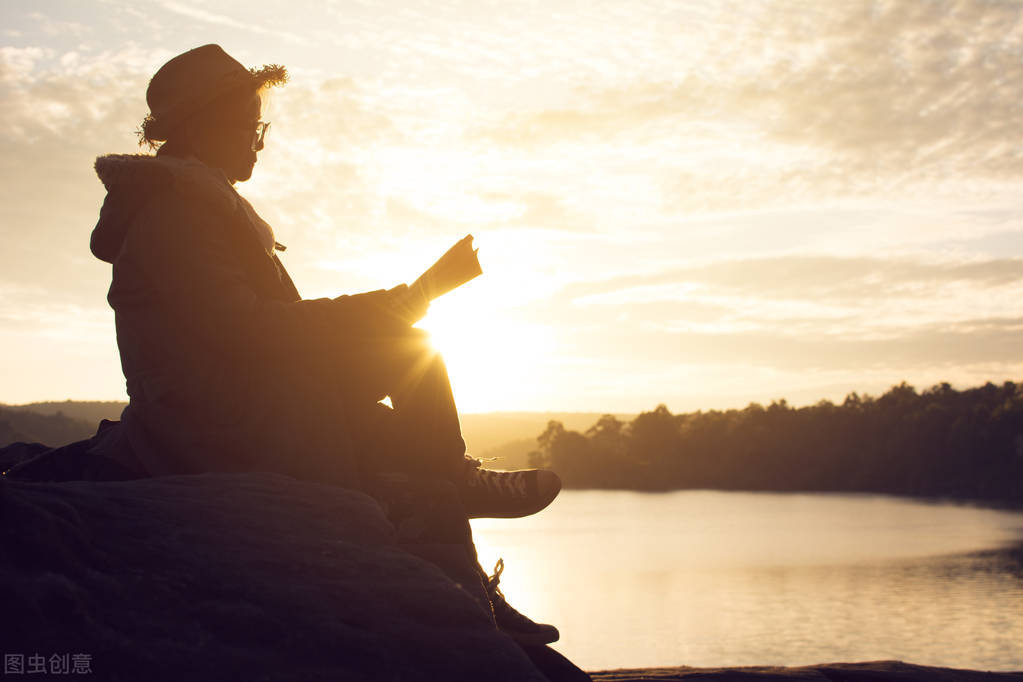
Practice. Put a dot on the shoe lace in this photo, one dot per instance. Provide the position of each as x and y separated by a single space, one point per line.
511 483
502 609
477 462
494 580
505 613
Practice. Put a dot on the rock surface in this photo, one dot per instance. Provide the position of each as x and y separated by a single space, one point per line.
263 577
232 577
877 671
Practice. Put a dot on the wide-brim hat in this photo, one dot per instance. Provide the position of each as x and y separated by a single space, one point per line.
193 80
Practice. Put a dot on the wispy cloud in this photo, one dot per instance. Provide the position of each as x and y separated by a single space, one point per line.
197 13
52 27
819 100
795 314
826 277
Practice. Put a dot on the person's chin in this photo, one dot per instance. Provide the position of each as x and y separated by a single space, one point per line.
243 174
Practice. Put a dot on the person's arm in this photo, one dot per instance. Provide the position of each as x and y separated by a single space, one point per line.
191 259
409 303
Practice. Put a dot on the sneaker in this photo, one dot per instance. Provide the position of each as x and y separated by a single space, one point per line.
517 626
506 494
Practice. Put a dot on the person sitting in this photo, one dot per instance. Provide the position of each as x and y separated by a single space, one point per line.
228 369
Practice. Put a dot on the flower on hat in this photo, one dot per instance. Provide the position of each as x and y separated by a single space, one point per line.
193 80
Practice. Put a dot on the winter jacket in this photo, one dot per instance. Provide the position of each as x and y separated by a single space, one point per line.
227 367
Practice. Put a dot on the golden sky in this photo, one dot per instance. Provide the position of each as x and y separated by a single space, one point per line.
695 203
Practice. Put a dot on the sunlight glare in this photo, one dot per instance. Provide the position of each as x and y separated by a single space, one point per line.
494 362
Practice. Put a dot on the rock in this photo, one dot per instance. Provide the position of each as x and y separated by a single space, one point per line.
878 671
232 577
264 577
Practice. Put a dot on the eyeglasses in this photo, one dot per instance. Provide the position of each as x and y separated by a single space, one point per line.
259 134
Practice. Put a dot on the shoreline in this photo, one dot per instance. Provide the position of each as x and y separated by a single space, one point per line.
869 671
993 503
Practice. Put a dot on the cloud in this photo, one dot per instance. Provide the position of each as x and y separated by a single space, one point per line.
811 100
915 348
534 209
73 97
815 277
61 111
910 350
17 63
52 27
813 311
199 14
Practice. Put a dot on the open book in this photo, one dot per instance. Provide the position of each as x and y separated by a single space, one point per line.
456 267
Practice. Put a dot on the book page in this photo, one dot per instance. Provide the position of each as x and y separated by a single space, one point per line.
456 267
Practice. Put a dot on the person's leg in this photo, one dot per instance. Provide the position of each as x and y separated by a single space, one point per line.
426 437
431 523
421 435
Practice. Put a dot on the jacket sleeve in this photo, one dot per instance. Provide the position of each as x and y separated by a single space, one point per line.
191 258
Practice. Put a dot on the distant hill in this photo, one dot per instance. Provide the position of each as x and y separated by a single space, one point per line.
511 436
490 429
33 427
88 410
511 455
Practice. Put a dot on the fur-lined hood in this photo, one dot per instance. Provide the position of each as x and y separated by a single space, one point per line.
133 179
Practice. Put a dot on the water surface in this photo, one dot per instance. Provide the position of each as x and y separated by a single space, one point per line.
705 578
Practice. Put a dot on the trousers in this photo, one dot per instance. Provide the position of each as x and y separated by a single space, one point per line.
420 432
414 457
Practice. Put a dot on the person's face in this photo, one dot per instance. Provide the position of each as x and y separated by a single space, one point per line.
228 143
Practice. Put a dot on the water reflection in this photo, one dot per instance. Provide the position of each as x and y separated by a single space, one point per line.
709 578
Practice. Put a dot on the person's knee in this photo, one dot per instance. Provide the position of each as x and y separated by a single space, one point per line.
417 342
414 351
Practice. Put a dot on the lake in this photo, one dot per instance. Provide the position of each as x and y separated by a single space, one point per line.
706 578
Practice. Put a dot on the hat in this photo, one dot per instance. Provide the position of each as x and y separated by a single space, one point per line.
194 79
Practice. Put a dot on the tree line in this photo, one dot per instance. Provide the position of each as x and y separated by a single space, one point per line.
939 442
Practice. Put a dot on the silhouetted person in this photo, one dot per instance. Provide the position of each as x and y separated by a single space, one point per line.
229 369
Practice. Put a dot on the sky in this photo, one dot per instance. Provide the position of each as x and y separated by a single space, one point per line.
700 204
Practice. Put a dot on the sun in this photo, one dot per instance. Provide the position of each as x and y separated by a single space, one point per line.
494 362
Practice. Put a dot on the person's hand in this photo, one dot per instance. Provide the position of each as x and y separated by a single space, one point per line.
408 304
